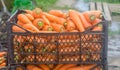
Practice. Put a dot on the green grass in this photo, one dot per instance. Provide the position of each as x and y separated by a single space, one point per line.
45 4
112 33
62 8
109 1
115 13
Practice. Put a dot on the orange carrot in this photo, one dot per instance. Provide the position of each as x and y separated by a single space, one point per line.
57 13
74 31
75 18
66 66
19 68
46 21
90 17
17 29
23 19
29 12
97 28
44 67
2 54
97 13
58 27
2 60
58 67
3 64
33 67
86 24
84 67
20 23
38 23
47 28
70 25
53 18
30 17
96 21
31 28
37 13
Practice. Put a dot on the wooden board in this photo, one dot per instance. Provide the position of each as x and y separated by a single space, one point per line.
92 6
99 6
107 12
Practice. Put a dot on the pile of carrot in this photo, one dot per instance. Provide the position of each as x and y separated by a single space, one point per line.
55 20
2 59
60 67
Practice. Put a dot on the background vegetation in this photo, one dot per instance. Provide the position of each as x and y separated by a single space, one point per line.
13 5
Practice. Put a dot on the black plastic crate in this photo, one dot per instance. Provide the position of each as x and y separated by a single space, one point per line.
3 33
89 47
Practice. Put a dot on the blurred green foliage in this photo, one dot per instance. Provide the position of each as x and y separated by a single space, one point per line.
8 3
45 4
22 4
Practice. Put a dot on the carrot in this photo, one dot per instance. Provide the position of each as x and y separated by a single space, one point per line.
86 24
29 12
75 18
51 66
84 21
97 13
33 67
38 23
17 29
20 23
96 21
96 57
37 13
2 67
44 67
2 60
66 66
57 13
58 20
23 19
90 17
2 54
30 58
70 25
83 67
18 68
58 27
97 28
30 17
74 31
28 48
47 32
31 28
85 57
46 21
3 64
47 28
58 67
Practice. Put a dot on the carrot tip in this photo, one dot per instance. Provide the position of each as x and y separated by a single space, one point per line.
101 16
100 25
65 24
92 17
40 24
61 29
50 29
